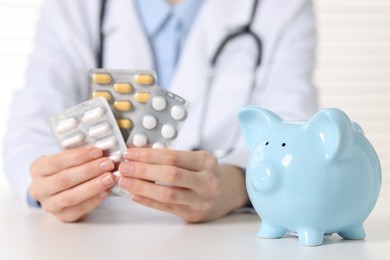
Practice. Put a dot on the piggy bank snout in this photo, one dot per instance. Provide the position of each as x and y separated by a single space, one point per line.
265 177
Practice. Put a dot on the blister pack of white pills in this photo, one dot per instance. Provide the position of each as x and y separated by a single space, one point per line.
127 92
91 123
160 121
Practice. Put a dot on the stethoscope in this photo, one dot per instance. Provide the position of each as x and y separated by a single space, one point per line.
245 30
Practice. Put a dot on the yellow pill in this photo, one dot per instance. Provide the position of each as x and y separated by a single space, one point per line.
144 79
101 78
142 97
123 87
124 123
122 105
104 94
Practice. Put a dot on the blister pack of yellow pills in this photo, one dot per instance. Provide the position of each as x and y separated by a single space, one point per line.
160 121
127 92
91 123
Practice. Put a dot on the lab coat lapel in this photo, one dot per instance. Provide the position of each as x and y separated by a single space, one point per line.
125 38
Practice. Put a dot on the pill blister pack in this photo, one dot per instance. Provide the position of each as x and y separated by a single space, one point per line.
127 109
127 92
91 123
160 121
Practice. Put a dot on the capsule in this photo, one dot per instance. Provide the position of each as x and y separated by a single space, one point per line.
107 143
116 174
122 105
123 88
124 123
66 125
142 97
100 130
73 141
105 94
115 156
101 78
93 115
144 79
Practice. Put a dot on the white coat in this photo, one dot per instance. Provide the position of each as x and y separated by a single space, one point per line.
66 45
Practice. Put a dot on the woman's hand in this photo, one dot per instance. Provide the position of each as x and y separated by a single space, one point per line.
71 183
191 185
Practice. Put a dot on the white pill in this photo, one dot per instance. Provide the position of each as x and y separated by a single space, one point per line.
100 130
168 131
107 143
116 156
116 190
159 103
117 174
93 115
140 140
66 125
149 122
178 112
73 141
158 145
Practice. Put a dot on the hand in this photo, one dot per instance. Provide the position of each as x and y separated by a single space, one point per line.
191 185
71 183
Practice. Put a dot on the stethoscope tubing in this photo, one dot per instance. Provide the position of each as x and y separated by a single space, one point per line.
240 32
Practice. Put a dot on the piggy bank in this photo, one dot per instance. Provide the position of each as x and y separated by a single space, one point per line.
309 178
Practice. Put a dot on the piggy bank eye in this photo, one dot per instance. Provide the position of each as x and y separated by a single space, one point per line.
266 143
283 144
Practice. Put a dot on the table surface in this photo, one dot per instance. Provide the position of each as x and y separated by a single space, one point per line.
121 229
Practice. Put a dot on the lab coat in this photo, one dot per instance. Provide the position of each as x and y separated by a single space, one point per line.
67 42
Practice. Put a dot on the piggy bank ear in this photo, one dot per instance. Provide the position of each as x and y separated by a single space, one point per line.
256 123
334 130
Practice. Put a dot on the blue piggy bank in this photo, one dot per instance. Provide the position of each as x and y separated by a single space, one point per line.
310 178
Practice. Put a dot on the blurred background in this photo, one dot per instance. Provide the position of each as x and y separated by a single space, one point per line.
352 73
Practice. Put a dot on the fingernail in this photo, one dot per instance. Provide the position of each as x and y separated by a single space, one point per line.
107 180
130 154
126 167
95 153
125 182
107 165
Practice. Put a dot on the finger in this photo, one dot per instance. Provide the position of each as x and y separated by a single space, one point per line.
158 192
166 174
191 160
48 165
74 176
80 193
75 213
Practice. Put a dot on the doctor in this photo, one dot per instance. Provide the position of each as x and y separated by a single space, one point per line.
268 61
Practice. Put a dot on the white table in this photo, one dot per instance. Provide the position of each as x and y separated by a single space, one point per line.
121 229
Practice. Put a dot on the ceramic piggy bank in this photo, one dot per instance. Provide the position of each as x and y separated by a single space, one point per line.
309 178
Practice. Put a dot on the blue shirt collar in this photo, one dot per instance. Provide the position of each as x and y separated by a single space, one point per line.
154 13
